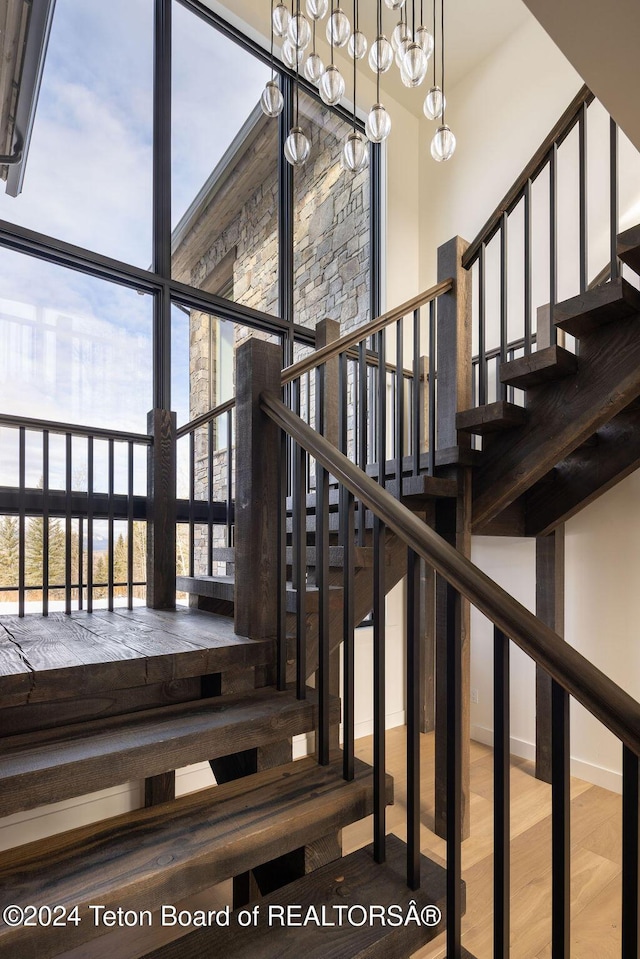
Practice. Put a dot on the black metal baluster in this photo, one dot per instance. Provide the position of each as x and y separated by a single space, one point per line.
584 236
399 410
482 328
504 304
67 524
528 253
347 539
432 387
229 476
613 197
45 522
90 524
501 794
413 720
80 562
560 823
416 419
130 576
210 499
21 518
110 557
553 237
283 476
363 423
322 576
299 539
379 630
630 837
454 775
192 497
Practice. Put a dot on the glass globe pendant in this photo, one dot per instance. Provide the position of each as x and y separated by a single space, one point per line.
332 85
425 39
317 9
357 45
394 4
403 46
443 144
297 147
290 55
414 64
313 68
355 154
400 32
280 19
338 28
299 32
381 55
434 104
272 101
378 125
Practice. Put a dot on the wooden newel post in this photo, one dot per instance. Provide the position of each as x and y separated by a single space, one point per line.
453 518
161 507
258 366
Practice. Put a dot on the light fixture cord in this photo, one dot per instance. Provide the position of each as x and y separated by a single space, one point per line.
421 13
297 65
355 29
442 59
413 15
331 31
435 45
273 71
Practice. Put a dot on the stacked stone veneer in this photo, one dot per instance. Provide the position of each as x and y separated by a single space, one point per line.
331 270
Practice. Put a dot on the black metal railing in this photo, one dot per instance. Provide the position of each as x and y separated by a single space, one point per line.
83 489
572 675
505 323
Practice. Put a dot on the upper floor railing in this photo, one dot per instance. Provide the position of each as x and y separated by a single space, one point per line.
547 239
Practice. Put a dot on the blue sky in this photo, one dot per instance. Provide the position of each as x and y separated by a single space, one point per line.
88 181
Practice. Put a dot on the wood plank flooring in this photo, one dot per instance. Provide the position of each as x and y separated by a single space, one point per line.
596 851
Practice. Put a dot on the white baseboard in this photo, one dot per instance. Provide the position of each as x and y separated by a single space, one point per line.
597 775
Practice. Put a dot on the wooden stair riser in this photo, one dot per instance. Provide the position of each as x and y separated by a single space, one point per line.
59 764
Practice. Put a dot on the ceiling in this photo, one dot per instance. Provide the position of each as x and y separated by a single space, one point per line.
473 30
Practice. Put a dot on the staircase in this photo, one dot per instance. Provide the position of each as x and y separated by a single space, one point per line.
95 698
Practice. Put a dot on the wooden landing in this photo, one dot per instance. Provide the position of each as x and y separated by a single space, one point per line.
60 656
355 881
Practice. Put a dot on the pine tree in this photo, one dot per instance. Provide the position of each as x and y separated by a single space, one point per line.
9 551
34 544
120 563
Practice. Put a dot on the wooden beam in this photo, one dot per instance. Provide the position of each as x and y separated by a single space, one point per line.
257 507
159 789
161 510
550 609
454 345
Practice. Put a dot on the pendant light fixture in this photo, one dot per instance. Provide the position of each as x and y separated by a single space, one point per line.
378 125
443 144
355 153
332 84
381 52
317 9
415 61
394 4
272 101
297 145
434 102
280 17
338 27
423 36
314 67
299 31
357 41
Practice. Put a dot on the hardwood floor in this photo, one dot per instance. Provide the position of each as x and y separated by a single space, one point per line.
595 853
596 863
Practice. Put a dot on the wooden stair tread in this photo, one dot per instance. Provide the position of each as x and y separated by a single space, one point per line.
162 854
53 657
223 587
421 489
355 880
604 304
56 764
628 244
491 418
543 366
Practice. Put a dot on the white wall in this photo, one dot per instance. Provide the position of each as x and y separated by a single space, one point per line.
500 114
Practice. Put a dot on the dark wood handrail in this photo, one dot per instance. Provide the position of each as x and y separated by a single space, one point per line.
534 167
346 342
203 418
50 426
328 352
610 704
